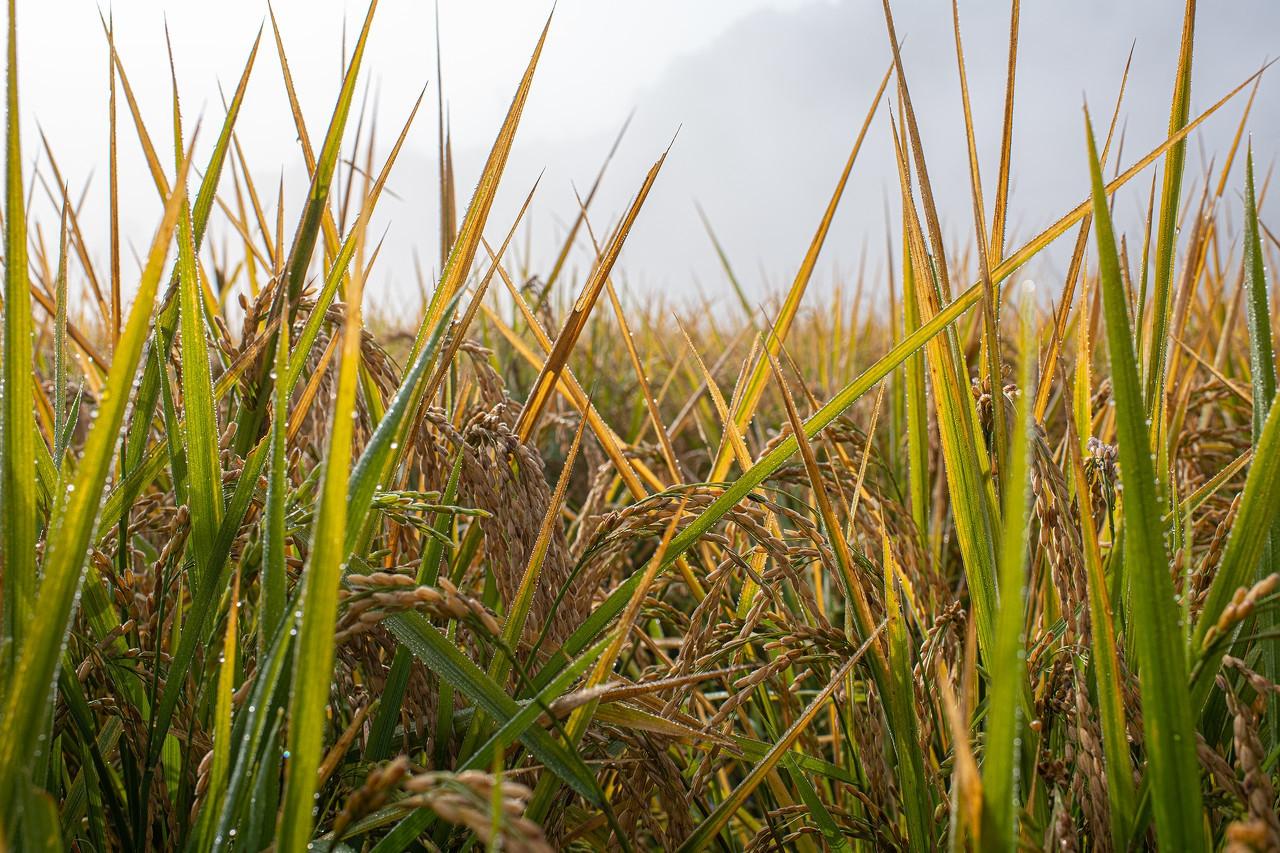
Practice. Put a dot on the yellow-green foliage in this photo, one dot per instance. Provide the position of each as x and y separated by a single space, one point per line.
914 563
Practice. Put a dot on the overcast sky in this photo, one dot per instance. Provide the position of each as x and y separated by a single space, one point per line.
768 96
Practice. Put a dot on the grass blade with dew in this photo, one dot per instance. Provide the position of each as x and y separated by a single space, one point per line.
252 730
1166 233
63 566
222 744
273 580
904 727
199 424
313 663
1167 712
18 437
467 241
1008 671
1262 372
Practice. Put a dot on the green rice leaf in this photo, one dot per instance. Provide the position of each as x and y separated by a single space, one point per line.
25 703
18 526
1001 759
1161 657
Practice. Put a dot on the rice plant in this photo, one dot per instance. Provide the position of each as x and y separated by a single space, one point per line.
952 562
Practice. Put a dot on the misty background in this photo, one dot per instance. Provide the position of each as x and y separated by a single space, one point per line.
767 96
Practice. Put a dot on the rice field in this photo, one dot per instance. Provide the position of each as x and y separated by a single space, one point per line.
935 561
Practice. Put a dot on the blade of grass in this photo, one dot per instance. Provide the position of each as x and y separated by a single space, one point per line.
917 405
966 462
1001 211
221 765
18 528
1167 713
544 386
252 731
1170 200
313 665
113 192
273 582
905 725
749 399
448 203
1001 759
199 426
60 419
25 702
463 252
1262 372
912 135
990 302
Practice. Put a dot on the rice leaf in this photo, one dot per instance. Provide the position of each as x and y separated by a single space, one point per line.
1166 232
18 437
75 519
313 664
1001 759
1262 372
1167 711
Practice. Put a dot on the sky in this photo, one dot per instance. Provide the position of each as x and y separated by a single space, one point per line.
762 97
